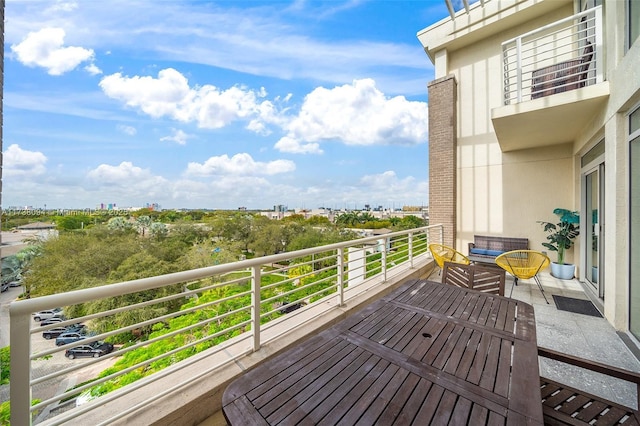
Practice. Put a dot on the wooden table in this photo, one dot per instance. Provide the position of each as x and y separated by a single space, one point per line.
428 352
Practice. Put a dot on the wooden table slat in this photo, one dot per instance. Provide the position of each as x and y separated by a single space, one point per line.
489 373
286 402
454 362
450 346
334 415
293 373
396 405
369 397
445 408
321 391
414 402
383 398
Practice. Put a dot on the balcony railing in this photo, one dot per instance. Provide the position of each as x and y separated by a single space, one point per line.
559 57
216 304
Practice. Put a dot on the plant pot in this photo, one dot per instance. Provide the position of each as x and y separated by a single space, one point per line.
564 272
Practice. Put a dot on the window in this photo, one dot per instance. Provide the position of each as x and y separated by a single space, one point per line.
633 22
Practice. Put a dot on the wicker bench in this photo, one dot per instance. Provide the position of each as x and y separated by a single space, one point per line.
564 405
485 249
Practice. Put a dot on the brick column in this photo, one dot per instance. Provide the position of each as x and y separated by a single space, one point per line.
442 156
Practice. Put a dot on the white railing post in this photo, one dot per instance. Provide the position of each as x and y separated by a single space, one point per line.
384 260
255 305
411 250
599 45
20 391
441 234
519 68
340 273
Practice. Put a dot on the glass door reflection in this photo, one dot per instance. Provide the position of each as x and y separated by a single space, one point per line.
594 229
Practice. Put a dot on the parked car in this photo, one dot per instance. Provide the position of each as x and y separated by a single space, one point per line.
5 287
15 283
55 332
50 321
94 349
69 337
43 315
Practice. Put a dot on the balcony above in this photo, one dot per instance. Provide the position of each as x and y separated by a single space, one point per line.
550 120
553 82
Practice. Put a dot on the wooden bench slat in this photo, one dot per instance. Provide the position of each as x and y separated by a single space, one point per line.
564 404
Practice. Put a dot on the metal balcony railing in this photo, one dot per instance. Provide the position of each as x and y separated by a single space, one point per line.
558 57
211 306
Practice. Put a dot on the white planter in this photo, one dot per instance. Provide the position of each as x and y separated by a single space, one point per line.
564 272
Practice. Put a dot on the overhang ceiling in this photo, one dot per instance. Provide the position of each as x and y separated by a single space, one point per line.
551 120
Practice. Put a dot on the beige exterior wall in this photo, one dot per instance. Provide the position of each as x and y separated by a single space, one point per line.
502 193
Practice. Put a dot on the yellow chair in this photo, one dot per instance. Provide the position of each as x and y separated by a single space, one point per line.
524 264
442 253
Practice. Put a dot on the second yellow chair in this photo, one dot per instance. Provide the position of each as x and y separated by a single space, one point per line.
524 264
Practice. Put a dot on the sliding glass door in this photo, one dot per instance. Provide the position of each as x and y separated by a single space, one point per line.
592 226
594 237
634 219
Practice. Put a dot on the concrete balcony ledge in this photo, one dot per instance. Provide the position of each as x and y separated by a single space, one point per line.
191 393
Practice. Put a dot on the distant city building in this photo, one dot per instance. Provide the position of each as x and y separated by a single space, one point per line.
153 207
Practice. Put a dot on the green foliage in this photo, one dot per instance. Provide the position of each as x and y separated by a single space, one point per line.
5 372
5 411
562 234
68 222
411 222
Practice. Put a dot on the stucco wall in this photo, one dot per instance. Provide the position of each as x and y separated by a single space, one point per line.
503 193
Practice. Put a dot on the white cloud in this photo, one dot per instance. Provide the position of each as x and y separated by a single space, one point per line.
127 176
93 69
127 130
62 6
294 146
356 114
169 95
178 136
239 165
45 48
23 163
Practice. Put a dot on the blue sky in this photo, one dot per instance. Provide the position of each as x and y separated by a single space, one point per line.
205 104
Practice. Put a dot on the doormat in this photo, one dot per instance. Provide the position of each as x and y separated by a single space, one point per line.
578 306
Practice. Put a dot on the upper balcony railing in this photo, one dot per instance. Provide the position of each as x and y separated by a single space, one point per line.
185 313
559 57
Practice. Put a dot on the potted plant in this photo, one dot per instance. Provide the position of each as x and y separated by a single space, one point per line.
561 236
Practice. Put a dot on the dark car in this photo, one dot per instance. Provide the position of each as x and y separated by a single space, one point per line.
94 349
69 337
55 332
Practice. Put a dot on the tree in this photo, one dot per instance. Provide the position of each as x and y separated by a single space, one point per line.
143 223
119 223
72 222
267 237
12 267
410 222
158 230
